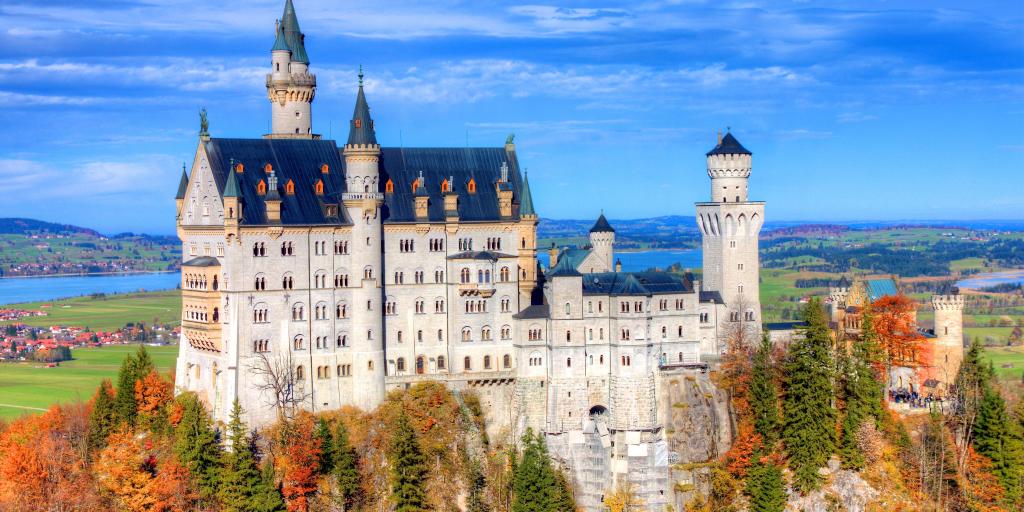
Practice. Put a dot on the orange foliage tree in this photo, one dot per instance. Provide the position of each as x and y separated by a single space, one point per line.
740 456
152 394
893 317
143 475
300 463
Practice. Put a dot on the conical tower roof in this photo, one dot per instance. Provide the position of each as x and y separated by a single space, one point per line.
231 188
526 202
602 226
292 34
280 42
361 126
183 184
729 146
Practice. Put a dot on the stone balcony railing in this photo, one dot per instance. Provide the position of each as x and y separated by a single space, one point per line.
304 79
359 196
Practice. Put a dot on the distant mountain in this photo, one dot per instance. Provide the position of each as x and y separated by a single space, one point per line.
672 231
19 226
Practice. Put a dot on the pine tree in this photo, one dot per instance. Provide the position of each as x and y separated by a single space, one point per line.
125 408
346 467
102 418
809 425
267 496
536 485
143 362
862 392
326 440
240 475
197 446
408 469
562 500
766 489
996 437
763 397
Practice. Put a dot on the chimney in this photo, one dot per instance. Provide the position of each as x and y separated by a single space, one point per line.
618 265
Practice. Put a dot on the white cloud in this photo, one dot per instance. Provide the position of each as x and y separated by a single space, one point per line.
16 99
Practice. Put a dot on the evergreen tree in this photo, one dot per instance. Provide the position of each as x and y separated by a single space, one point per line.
143 362
267 496
240 475
197 446
408 469
763 397
102 419
862 392
125 408
346 467
997 438
808 429
562 501
536 485
322 434
766 489
477 487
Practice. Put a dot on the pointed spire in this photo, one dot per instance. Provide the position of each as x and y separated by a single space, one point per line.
280 42
361 127
183 184
231 187
602 225
292 34
526 201
728 145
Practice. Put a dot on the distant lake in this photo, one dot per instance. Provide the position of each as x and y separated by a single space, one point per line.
643 260
991 279
34 289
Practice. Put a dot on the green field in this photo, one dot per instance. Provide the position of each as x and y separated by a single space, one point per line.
31 387
1008 361
109 312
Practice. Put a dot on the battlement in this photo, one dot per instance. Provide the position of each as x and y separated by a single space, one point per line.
729 165
948 302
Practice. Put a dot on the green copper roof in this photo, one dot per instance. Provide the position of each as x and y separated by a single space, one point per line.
280 44
361 127
526 202
231 187
878 288
293 35
183 184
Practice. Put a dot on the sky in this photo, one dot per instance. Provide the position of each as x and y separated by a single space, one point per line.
871 110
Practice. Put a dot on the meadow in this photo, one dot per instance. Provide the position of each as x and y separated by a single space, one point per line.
27 388
108 312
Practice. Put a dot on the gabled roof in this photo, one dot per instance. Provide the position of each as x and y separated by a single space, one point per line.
636 283
729 146
361 126
878 288
602 226
182 185
572 257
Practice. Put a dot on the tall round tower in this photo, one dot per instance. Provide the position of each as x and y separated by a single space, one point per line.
949 336
290 86
729 225
363 203
602 242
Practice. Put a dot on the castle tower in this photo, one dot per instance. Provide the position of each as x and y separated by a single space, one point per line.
949 336
363 202
290 86
729 225
602 241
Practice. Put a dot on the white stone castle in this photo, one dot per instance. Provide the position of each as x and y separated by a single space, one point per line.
317 276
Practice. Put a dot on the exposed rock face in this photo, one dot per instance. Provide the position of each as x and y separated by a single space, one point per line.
845 490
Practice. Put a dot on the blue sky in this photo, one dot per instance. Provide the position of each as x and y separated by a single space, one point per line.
854 110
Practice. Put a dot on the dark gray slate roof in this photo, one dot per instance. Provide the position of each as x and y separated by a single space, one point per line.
536 311
202 261
182 185
403 165
364 133
479 255
298 160
602 226
710 296
729 146
635 283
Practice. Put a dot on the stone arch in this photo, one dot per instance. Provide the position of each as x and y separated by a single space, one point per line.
730 225
741 224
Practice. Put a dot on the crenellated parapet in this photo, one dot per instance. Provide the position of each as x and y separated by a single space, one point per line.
729 166
948 302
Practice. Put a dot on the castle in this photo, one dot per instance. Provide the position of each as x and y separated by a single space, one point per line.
316 276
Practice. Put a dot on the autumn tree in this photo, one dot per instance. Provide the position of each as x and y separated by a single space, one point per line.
152 394
623 499
301 462
197 447
808 430
102 417
901 343
408 469
141 478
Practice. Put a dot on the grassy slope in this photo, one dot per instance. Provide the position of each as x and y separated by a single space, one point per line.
78 248
29 387
110 312
1010 357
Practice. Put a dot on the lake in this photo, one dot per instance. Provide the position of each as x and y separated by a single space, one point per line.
637 261
34 289
991 279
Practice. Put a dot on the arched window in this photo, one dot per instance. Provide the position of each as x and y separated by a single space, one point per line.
444 186
289 188
506 361
487 362
261 188
300 373
466 364
319 187
440 362
400 364
504 274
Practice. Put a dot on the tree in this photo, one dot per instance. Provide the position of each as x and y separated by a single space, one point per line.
764 405
278 382
268 496
408 469
623 499
301 463
143 362
536 485
809 426
996 437
766 489
196 445
152 394
102 419
477 486
124 402
346 467
323 436
240 476
893 321
862 393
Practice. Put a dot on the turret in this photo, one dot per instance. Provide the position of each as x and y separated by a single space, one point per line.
949 334
179 199
232 202
729 166
602 241
290 86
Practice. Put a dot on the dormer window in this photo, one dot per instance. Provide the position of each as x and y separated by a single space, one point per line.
444 186
389 187
239 167
289 188
261 188
324 169
319 187
267 168
471 187
358 123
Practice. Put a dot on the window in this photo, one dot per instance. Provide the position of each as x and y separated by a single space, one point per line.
467 334
261 346
298 312
420 306
368 273
438 276
506 332
440 362
439 305
485 334
390 307
535 359
704 318
287 249
259 249
419 277
261 188
299 343
389 186
340 280
504 274
300 373
399 277
340 247
506 361
568 362
444 186
287 282
342 340
261 282
319 187
406 245
471 186
487 362
464 275
506 304
467 364
400 364
341 311
568 309
436 244
259 314
440 335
